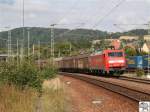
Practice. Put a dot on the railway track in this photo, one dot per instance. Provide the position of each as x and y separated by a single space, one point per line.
131 93
144 81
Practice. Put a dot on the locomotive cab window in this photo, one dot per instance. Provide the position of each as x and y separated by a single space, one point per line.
115 54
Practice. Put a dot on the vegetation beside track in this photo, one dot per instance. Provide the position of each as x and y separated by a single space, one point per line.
13 99
25 75
21 88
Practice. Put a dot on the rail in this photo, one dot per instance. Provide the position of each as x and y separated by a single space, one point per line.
133 79
131 93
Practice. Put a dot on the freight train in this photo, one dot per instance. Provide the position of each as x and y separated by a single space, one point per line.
106 62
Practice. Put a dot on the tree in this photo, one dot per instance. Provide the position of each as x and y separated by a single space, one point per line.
63 48
102 45
130 51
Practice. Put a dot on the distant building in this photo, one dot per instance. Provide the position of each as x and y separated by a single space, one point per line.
146 47
3 57
147 38
95 42
98 41
129 38
116 43
111 42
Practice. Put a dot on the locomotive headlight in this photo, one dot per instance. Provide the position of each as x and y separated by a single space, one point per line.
116 61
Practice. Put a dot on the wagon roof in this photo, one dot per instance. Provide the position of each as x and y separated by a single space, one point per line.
75 57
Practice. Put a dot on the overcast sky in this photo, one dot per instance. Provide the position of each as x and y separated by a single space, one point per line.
73 13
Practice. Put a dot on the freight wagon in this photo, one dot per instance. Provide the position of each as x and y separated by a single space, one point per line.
134 62
74 63
146 62
138 62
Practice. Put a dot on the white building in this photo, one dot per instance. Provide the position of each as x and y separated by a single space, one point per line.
146 47
129 38
147 38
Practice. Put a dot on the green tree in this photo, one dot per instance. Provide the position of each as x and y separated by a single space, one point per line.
101 45
130 51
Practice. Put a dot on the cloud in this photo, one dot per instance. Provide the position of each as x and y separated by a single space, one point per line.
46 12
9 2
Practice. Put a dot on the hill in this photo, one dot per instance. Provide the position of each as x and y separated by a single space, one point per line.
43 35
75 36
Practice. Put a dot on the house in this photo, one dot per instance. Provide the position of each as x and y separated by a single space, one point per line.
111 42
147 38
129 38
116 43
146 47
3 57
98 41
95 42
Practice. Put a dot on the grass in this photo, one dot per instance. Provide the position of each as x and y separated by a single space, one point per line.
53 101
54 97
16 100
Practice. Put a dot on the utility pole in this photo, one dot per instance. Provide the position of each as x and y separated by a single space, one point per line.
28 42
23 35
9 42
21 51
17 52
149 28
59 53
70 48
52 43
149 49
39 54
33 50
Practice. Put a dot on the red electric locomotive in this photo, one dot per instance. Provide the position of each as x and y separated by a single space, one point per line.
105 62
108 61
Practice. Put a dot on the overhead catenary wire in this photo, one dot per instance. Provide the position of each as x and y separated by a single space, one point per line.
82 24
116 6
108 13
69 11
60 35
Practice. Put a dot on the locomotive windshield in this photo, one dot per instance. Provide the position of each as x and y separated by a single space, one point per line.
115 54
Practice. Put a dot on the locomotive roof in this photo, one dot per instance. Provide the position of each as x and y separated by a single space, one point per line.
107 50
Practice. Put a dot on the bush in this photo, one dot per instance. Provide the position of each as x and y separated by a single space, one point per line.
48 72
7 74
140 72
25 75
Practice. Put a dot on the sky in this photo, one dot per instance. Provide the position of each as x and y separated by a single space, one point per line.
95 14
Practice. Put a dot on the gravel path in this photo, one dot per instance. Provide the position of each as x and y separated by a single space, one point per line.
83 97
